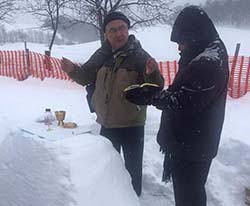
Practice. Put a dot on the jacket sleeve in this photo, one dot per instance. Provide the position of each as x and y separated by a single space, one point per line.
86 73
203 82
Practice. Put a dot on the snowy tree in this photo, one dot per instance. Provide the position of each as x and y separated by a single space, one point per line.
7 8
140 12
48 12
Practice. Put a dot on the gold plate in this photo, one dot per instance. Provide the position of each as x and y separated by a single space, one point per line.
69 125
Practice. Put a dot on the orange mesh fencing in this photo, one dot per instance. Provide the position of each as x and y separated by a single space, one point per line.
239 83
168 70
22 64
13 64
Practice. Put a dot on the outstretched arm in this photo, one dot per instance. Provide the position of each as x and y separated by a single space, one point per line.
67 65
86 73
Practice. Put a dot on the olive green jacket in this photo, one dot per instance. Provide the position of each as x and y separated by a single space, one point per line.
112 72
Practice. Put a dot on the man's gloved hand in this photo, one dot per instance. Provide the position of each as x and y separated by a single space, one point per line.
160 99
138 98
141 95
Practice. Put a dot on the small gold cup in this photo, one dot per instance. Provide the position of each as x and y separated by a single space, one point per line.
60 116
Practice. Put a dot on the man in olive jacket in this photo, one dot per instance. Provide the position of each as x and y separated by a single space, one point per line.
193 106
119 63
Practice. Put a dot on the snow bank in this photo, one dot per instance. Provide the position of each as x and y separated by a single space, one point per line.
82 170
229 174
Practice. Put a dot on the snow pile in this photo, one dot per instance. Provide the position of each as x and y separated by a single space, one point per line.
82 170
229 174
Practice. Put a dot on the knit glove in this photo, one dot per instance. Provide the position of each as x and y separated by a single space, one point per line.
138 98
142 96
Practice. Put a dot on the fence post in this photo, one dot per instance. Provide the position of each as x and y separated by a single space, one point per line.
239 92
48 65
27 58
232 73
47 52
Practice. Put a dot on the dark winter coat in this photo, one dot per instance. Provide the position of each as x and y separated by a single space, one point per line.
112 72
194 105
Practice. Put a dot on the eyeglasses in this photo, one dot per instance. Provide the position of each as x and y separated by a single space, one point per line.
118 29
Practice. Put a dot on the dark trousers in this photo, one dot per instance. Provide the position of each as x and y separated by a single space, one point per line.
189 178
131 140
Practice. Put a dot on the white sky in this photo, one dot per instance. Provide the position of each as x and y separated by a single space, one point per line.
85 169
28 21
196 2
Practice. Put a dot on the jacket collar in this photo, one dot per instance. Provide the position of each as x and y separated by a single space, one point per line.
126 50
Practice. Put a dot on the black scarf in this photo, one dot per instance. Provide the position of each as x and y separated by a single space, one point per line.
167 168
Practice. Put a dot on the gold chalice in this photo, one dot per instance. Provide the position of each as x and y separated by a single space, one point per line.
60 116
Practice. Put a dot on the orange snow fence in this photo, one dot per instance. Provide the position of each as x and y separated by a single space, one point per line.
239 82
22 64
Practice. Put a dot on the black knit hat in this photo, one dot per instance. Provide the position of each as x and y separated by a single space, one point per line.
115 15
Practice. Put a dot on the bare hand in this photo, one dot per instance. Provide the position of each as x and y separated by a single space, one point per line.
151 65
67 65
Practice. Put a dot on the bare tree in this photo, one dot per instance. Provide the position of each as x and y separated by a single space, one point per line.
140 12
48 12
7 8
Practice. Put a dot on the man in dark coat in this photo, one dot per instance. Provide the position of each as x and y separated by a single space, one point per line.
193 106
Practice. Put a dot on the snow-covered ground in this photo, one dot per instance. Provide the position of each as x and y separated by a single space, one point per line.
85 169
